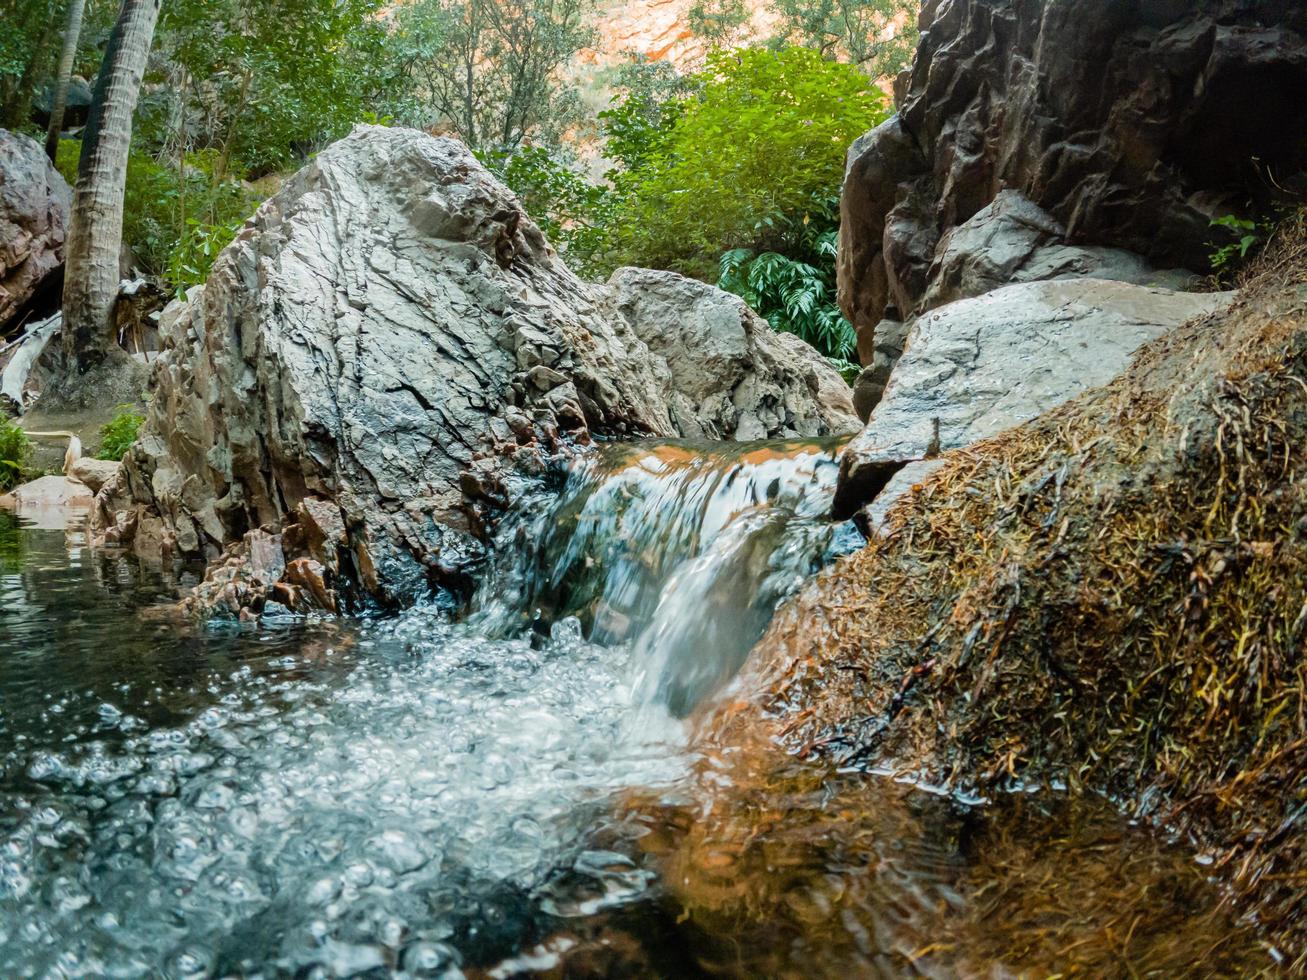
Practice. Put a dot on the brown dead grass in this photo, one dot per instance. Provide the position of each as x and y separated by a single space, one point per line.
1113 596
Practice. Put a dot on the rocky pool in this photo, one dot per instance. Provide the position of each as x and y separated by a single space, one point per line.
518 791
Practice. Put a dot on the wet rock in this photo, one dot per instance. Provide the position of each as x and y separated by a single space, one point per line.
95 473
1131 125
267 561
976 367
390 343
34 202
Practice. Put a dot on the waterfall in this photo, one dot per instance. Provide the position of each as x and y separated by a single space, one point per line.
682 551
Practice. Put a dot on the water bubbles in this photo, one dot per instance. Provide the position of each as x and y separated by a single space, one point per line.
408 794
566 631
109 714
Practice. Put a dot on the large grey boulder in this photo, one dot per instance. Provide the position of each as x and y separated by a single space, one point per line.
729 375
1133 125
1013 240
34 203
387 345
979 366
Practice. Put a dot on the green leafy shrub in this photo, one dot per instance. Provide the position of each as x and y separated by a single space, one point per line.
174 222
118 434
1247 236
794 296
15 455
753 158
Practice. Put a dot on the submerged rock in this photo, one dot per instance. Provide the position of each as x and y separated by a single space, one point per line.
34 202
979 366
1131 125
390 341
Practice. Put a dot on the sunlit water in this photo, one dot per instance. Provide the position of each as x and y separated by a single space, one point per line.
414 796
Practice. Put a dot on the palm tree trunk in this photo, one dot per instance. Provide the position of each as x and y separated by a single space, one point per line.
96 228
72 32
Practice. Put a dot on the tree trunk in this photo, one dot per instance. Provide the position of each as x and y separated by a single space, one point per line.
95 231
72 32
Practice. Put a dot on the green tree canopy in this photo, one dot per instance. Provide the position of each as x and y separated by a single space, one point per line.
756 157
491 69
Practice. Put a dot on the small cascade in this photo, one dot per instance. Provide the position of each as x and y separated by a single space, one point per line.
680 550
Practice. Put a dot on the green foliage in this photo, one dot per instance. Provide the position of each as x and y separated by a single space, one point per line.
29 37
1247 235
174 223
751 161
879 36
639 125
490 68
730 175
794 296
15 455
569 208
722 23
264 82
118 434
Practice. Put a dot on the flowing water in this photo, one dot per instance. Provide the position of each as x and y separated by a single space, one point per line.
509 794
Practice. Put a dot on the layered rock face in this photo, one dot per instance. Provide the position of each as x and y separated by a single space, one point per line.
387 343
1129 125
34 202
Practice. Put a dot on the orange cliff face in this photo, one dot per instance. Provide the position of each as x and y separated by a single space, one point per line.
657 30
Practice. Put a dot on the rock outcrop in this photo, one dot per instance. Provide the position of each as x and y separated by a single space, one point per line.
387 345
1131 125
95 473
979 366
34 202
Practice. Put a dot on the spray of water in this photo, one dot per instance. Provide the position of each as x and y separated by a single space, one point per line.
681 551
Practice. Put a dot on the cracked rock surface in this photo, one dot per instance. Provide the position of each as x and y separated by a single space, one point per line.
390 342
976 367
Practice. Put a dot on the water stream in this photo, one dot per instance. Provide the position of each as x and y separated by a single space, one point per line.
423 797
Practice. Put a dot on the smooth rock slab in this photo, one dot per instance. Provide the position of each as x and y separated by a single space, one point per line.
979 366
50 502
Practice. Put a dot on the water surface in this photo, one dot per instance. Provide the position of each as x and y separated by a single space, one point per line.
517 794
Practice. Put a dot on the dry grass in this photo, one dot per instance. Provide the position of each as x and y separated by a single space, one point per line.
1114 597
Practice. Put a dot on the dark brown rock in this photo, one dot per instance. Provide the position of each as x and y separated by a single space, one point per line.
1132 124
